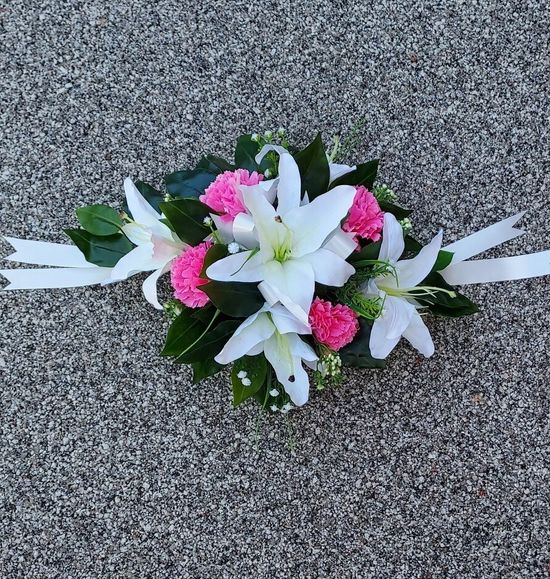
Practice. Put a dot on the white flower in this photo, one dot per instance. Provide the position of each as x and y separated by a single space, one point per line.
286 408
398 289
207 221
274 393
233 247
274 408
274 331
292 253
246 382
242 374
156 244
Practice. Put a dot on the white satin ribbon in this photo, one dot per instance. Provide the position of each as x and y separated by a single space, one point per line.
462 272
244 231
58 277
71 268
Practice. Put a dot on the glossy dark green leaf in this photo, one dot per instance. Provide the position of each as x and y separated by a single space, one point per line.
370 251
104 251
235 299
99 219
444 259
256 371
215 253
186 216
314 170
357 354
211 343
204 369
188 183
214 164
399 212
184 331
442 303
364 174
153 196
245 153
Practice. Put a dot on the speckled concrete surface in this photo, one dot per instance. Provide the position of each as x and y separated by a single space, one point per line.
112 463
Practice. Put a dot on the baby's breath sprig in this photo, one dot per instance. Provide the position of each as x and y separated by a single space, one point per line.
383 193
329 368
172 309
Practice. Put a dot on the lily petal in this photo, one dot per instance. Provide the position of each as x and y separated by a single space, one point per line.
288 368
389 327
329 268
341 243
141 211
393 243
419 336
246 338
223 227
244 231
293 282
246 266
139 259
410 272
149 286
311 224
286 322
290 184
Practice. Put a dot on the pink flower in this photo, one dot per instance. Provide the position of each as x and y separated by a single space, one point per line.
185 273
332 325
223 195
365 219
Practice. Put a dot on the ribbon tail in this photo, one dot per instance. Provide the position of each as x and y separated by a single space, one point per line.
54 278
46 253
485 239
500 269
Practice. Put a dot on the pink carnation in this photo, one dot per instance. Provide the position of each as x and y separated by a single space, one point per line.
223 195
185 273
365 219
332 325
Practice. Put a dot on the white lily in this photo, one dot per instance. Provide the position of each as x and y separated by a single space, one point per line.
397 290
292 254
274 331
156 244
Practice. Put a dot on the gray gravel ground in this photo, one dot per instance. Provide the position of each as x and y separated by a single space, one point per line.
112 463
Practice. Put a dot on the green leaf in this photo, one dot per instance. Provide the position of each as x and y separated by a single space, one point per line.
314 170
412 245
184 331
188 183
357 354
186 216
211 344
214 164
399 212
99 219
364 174
245 153
444 259
104 251
153 196
370 251
442 303
256 370
235 299
204 369
215 253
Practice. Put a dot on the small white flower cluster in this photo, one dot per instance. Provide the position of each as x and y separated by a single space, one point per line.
406 225
243 377
332 364
233 247
284 409
207 221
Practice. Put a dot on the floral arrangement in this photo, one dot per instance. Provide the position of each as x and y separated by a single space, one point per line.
286 263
